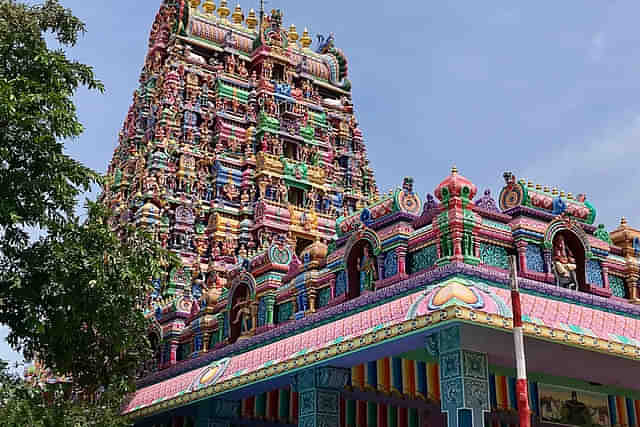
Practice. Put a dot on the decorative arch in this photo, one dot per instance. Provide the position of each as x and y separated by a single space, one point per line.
361 238
363 233
244 278
242 295
576 240
565 224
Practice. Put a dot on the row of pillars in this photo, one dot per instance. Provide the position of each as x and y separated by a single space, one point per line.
464 388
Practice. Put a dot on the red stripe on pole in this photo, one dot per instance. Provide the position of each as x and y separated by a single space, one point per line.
523 403
517 308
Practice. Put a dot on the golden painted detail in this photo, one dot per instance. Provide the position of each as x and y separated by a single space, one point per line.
209 6
452 313
223 10
267 163
293 34
306 40
237 16
270 165
453 291
252 21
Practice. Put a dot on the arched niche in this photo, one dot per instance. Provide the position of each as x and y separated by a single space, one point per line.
577 247
362 245
241 304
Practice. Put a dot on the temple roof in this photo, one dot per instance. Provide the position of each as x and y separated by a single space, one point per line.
455 298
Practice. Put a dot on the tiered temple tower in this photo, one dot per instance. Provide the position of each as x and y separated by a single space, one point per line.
240 135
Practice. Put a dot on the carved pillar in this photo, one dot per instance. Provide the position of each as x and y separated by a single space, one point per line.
270 301
220 319
332 285
173 353
254 315
205 342
632 284
548 260
401 253
464 379
319 395
312 300
380 265
521 246
456 240
605 276
216 413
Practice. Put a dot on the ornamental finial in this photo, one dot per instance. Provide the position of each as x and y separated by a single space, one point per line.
209 6
293 34
223 10
251 20
237 15
306 41
454 170
623 221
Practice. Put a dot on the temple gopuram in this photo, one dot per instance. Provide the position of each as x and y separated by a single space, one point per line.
308 298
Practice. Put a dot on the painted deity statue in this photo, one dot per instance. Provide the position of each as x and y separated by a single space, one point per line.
243 316
367 269
564 263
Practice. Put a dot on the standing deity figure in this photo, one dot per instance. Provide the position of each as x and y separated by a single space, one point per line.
283 192
277 147
265 142
243 316
367 269
564 264
267 69
231 64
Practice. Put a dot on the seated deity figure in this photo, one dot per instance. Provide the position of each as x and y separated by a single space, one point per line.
564 264
367 269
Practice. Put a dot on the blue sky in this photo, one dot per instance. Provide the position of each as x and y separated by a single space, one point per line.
549 90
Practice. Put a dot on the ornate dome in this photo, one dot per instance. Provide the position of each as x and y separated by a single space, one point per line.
315 254
454 186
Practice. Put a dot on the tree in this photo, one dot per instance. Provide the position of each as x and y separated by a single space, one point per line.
22 404
76 300
74 297
39 183
76 303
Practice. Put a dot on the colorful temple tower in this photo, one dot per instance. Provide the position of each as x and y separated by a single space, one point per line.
306 298
241 148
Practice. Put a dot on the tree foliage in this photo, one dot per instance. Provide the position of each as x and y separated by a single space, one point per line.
22 404
39 183
74 297
77 296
